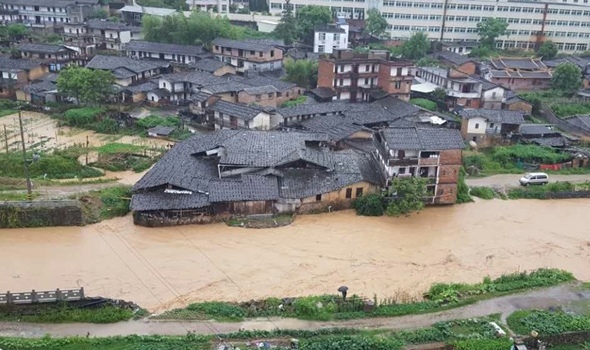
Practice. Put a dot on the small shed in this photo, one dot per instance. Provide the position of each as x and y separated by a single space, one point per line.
161 131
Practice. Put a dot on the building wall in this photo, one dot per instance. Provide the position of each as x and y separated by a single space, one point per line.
260 122
520 84
475 125
270 99
250 55
395 82
227 69
492 99
325 73
329 42
336 199
38 72
469 68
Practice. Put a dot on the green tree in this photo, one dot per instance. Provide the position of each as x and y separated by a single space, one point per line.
489 30
287 27
308 17
481 52
409 194
439 94
100 13
375 23
171 4
547 50
302 72
369 205
14 31
416 47
86 85
258 5
567 78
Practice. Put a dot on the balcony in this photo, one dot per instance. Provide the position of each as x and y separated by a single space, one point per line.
8 12
112 40
459 94
403 161
429 161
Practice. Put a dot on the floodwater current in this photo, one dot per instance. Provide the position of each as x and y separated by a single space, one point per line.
162 268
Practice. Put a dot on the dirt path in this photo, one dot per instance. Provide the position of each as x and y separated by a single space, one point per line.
543 298
511 180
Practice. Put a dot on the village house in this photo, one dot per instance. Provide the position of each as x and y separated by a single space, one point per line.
254 56
459 62
239 172
184 54
462 90
519 74
16 73
227 115
77 35
128 71
137 93
462 47
346 75
430 153
112 35
55 56
133 14
514 103
483 125
212 66
328 37
46 13
492 95
40 91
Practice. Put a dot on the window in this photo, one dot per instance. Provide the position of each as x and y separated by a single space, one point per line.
321 48
336 37
348 193
261 54
258 97
272 53
491 125
398 84
318 198
322 36
359 192
477 125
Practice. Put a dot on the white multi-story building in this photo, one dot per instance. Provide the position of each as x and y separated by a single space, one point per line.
330 37
46 13
565 22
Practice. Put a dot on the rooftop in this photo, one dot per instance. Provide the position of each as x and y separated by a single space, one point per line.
237 110
518 63
148 46
43 48
122 66
161 130
104 24
494 115
243 45
207 65
154 11
521 74
416 138
329 28
452 57
10 64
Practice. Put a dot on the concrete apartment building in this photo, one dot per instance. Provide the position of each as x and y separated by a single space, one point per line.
565 22
247 55
46 13
360 77
330 37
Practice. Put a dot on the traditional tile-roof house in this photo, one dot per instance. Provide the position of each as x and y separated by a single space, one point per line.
15 73
519 74
461 63
430 153
482 125
55 56
256 56
40 91
128 71
240 116
212 66
185 54
249 172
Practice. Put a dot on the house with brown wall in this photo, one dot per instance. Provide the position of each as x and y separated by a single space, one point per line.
15 73
433 154
55 56
244 55
459 62
519 74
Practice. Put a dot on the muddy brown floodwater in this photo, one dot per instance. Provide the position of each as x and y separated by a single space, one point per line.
161 268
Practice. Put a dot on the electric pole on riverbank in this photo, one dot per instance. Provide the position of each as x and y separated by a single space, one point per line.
5 139
27 174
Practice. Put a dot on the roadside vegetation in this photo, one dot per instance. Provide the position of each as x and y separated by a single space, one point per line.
547 322
483 192
106 203
64 314
549 191
331 307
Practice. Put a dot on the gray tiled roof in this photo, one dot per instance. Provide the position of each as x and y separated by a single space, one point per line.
259 80
329 28
517 63
415 138
162 130
536 129
51 3
337 127
245 188
173 49
107 25
113 62
494 115
452 57
258 90
200 96
396 106
243 45
237 110
40 87
316 108
145 87
197 78
159 200
43 48
207 65
11 64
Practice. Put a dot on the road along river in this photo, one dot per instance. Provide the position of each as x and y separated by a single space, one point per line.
162 268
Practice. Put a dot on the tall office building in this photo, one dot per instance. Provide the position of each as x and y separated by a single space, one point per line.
565 22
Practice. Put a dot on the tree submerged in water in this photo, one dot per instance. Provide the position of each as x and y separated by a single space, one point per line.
406 195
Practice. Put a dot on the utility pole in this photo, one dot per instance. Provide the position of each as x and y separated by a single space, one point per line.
27 174
87 143
5 139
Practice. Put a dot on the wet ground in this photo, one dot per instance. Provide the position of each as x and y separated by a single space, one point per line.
162 268
511 180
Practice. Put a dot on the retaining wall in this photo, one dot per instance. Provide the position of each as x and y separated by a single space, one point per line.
40 214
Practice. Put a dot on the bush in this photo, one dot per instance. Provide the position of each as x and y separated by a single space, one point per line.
482 344
483 192
82 117
217 310
155 120
424 103
547 322
462 188
540 192
351 342
51 166
570 109
65 314
292 103
115 201
107 126
369 205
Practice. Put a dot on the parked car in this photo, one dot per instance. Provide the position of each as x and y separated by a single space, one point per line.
534 179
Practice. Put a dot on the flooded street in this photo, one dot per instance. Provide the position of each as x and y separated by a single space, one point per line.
161 268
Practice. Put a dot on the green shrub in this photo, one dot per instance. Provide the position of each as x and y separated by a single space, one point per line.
292 103
82 117
369 205
424 103
351 342
217 310
65 314
462 188
541 192
50 166
483 192
547 322
155 120
107 126
570 109
115 201
482 344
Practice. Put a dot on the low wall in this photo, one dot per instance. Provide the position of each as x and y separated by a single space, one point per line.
149 219
324 207
567 195
566 338
40 214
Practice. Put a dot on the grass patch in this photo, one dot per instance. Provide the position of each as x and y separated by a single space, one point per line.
5 112
292 103
440 297
547 322
544 192
55 165
483 192
424 103
65 314
16 196
482 344
570 109
106 203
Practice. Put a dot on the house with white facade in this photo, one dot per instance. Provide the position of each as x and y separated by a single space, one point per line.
46 13
462 89
185 54
254 55
330 37
483 125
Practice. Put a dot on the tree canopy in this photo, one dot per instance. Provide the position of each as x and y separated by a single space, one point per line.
375 23
409 194
86 85
171 4
302 72
287 27
417 47
547 50
14 31
489 30
308 17
567 78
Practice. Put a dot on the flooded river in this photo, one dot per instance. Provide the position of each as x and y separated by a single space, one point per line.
169 267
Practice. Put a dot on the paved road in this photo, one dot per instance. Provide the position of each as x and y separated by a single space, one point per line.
544 298
511 180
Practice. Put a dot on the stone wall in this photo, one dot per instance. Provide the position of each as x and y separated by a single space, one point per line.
40 214
154 219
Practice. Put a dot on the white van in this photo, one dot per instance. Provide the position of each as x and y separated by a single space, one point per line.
534 179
